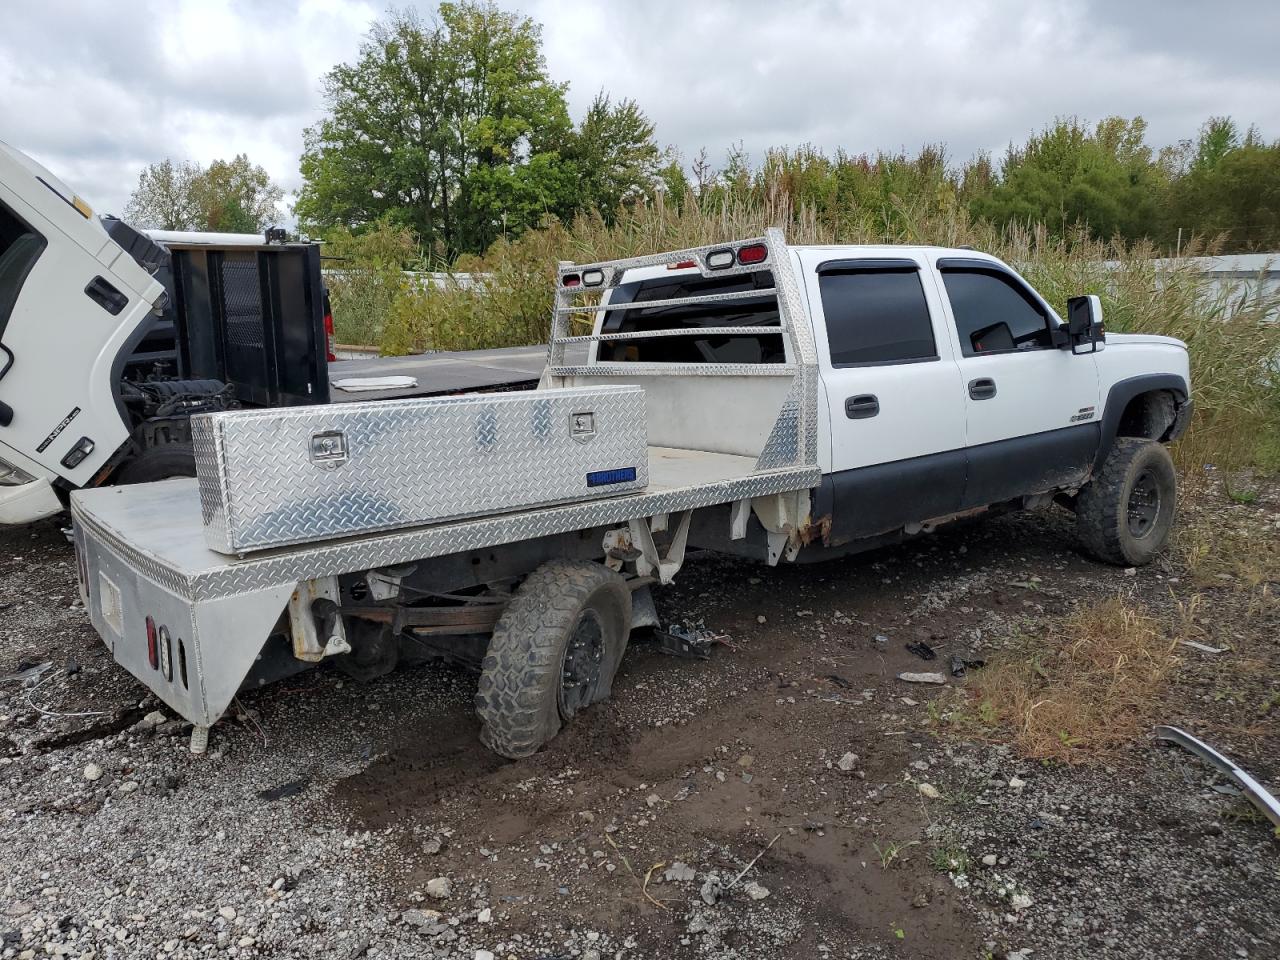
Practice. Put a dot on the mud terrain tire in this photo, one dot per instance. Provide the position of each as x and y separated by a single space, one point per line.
1125 512
555 650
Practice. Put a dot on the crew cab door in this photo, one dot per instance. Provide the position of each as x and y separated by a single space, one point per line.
1030 407
894 401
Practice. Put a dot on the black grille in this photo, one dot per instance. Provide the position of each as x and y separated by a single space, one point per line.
242 300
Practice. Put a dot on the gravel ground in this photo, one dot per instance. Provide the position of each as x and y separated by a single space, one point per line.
789 798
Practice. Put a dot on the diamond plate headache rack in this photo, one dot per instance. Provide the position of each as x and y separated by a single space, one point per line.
793 440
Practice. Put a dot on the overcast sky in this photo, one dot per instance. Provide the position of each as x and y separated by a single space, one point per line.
96 90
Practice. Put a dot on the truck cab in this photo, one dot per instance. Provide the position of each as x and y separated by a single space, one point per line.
73 303
945 383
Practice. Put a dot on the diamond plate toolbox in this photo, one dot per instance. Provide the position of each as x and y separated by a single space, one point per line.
269 478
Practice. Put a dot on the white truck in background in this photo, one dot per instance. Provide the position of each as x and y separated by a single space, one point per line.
111 338
796 403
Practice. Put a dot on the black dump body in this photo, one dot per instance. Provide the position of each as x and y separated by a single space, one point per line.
249 317
252 318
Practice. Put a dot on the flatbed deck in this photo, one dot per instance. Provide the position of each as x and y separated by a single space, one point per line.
441 373
157 528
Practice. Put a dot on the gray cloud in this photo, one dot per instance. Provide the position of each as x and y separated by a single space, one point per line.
96 91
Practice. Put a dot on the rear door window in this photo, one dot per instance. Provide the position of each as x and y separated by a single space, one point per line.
20 248
994 313
876 315
751 311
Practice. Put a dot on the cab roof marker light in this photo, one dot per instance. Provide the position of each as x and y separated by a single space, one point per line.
753 253
592 278
719 259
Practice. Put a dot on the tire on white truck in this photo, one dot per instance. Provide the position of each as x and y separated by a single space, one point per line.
1124 514
554 651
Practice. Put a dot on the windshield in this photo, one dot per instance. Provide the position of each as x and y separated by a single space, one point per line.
20 248
761 311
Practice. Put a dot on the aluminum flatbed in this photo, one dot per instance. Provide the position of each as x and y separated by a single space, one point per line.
157 528
540 598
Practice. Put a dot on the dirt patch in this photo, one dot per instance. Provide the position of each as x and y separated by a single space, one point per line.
800 731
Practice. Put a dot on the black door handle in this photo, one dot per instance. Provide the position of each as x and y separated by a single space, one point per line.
106 296
862 406
984 388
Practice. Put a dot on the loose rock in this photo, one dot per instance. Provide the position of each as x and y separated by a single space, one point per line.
922 677
679 872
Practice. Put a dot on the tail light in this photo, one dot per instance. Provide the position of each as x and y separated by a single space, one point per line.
328 336
755 253
571 280
719 259
165 651
153 646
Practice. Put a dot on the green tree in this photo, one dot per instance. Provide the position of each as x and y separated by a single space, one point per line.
441 126
614 156
1068 175
1229 192
165 197
235 196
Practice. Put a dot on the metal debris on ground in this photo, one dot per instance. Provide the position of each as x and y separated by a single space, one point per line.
689 639
1258 795
1202 647
959 665
754 860
922 677
291 789
28 672
922 650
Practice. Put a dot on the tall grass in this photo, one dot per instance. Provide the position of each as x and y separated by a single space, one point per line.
1232 343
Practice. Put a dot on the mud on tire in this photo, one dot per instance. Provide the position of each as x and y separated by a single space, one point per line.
569 620
1125 512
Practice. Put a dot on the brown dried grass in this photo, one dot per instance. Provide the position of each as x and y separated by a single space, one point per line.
1086 689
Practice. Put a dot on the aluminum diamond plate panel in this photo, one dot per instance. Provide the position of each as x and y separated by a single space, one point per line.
307 561
278 477
793 440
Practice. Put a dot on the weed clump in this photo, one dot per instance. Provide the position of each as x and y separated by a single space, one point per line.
1088 688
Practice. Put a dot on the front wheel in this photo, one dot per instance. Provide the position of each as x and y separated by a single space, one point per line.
1125 512
554 651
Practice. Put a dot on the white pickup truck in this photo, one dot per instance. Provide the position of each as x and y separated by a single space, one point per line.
791 403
